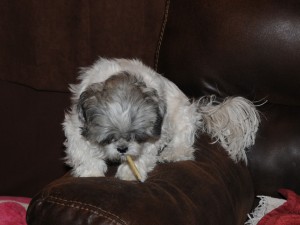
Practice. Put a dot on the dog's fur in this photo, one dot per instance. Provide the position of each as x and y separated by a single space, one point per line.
122 107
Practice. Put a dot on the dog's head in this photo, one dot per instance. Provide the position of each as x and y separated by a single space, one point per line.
121 114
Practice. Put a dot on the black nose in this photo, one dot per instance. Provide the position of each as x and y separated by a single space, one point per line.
122 149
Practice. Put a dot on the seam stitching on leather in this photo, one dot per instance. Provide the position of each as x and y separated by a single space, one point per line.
162 32
84 206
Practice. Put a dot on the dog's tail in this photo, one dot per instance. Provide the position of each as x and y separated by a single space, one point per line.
233 123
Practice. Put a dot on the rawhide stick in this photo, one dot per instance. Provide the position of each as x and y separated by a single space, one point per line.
133 168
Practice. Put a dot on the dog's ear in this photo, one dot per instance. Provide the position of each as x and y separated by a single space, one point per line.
150 93
153 95
233 123
88 100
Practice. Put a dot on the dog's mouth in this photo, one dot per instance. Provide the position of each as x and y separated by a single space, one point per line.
123 157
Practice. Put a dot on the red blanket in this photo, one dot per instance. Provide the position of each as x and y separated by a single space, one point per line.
286 214
13 210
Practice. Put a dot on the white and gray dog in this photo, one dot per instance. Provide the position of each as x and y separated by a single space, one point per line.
122 107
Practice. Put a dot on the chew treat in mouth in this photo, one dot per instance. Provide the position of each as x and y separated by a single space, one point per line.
133 168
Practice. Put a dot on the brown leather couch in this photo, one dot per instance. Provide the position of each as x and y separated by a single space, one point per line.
236 47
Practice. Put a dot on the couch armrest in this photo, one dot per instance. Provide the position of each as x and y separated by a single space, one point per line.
210 190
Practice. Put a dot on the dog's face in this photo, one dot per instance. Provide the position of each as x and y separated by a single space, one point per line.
121 115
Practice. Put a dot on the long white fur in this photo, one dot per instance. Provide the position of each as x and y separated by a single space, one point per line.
233 123
178 128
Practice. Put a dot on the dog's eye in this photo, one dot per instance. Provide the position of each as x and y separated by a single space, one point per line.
104 142
140 138
129 138
107 141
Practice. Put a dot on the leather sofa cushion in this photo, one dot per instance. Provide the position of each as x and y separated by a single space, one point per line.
210 190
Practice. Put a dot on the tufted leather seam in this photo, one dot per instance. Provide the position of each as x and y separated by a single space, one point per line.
162 32
84 206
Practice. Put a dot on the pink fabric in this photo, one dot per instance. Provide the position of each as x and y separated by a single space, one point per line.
13 210
286 214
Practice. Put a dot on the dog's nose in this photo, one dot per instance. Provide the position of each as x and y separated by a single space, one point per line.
122 149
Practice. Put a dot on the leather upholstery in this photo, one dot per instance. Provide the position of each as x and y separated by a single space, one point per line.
51 40
43 46
210 190
249 48
31 138
236 47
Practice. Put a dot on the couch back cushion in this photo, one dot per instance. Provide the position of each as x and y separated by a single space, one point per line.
43 44
243 47
249 48
31 138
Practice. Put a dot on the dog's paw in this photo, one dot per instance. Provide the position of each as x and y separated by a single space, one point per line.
176 154
125 173
89 171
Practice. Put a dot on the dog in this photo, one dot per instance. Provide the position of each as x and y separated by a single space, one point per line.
123 108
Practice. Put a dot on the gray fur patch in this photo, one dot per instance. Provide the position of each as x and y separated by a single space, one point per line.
121 107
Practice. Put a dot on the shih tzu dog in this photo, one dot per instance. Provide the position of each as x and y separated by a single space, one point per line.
123 108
